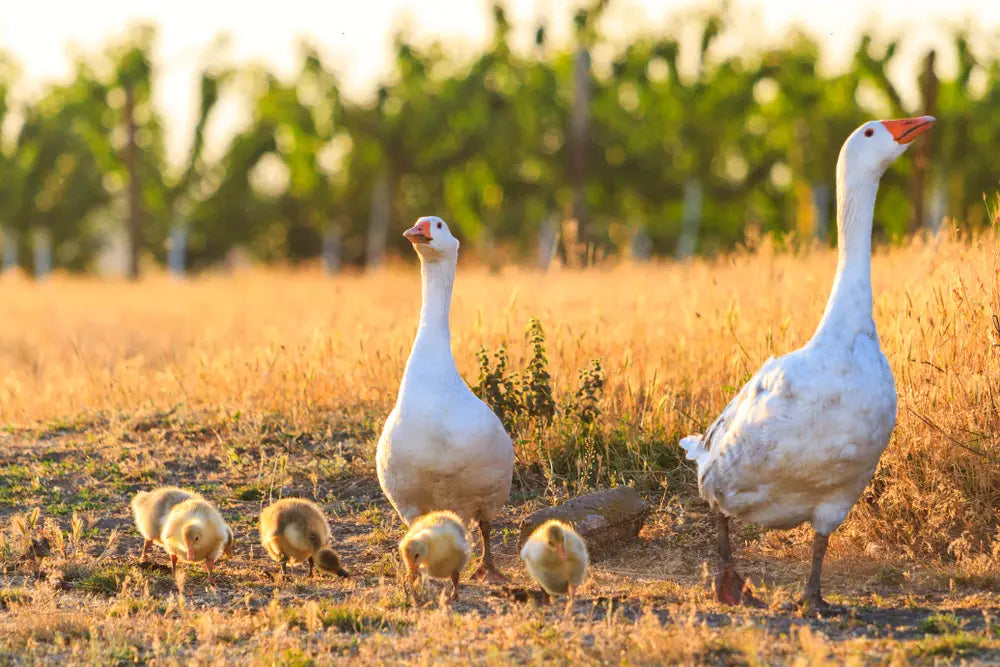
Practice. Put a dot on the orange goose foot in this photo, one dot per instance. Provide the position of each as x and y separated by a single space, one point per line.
732 589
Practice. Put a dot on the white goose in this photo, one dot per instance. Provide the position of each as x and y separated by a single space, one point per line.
442 448
802 438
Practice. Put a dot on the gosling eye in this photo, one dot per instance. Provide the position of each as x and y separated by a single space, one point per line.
869 132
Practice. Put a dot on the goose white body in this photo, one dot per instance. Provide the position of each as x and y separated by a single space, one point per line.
441 447
802 438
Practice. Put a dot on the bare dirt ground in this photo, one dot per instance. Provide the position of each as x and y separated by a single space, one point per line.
79 595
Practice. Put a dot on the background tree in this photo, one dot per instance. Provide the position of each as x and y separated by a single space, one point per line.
650 150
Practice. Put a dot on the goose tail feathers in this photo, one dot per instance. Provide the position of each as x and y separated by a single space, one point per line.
694 449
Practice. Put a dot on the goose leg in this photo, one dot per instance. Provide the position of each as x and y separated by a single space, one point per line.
145 548
410 587
812 601
488 570
730 587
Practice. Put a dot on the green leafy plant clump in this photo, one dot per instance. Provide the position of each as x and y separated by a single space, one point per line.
529 395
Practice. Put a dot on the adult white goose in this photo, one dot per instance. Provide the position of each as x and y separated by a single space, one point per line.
442 448
802 438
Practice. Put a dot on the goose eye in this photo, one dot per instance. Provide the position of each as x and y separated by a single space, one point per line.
439 225
869 132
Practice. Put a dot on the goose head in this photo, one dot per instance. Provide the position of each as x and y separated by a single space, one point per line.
874 146
432 239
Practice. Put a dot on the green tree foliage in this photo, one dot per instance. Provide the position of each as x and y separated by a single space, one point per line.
488 143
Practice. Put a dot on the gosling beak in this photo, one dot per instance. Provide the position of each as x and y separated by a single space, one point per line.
561 550
343 573
191 554
419 233
905 130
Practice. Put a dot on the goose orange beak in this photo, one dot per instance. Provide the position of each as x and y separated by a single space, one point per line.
905 130
419 233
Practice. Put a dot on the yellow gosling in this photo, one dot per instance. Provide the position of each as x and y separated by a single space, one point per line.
437 544
556 558
294 530
195 532
151 508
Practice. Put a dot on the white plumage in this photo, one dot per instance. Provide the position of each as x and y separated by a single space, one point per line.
442 448
801 439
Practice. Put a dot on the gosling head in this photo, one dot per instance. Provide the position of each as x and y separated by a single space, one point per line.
193 535
328 561
414 553
555 539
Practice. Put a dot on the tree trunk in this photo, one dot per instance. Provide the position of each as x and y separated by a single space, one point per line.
548 242
378 218
641 248
579 138
332 249
177 252
134 224
921 161
939 203
42 246
821 204
691 220
9 249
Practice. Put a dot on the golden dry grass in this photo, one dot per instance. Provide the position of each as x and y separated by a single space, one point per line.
276 382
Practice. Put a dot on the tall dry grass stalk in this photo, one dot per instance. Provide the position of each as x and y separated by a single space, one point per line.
676 341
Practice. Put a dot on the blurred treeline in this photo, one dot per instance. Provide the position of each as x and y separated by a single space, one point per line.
528 154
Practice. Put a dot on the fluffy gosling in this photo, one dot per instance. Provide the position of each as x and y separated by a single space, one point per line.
436 544
150 509
556 558
295 530
195 532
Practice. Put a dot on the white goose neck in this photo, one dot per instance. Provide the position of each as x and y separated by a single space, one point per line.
849 308
431 350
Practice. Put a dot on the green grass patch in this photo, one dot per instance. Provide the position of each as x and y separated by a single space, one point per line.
294 657
249 492
347 618
951 646
939 624
13 596
104 580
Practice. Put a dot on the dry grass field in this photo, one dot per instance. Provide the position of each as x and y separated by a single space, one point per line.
275 383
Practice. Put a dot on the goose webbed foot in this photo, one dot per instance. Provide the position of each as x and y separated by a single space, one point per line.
814 605
732 589
490 574
487 571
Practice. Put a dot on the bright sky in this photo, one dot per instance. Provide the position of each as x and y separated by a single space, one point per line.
357 35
